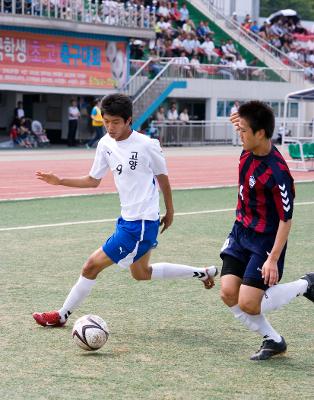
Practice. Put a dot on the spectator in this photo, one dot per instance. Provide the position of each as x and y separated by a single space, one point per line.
19 111
188 26
195 65
73 116
97 123
184 14
184 116
172 114
183 63
241 66
175 12
155 66
163 10
208 49
177 46
160 114
39 133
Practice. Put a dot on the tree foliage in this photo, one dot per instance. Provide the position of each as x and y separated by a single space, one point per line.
305 8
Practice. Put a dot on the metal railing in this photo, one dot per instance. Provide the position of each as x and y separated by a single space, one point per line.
84 11
143 70
177 133
193 133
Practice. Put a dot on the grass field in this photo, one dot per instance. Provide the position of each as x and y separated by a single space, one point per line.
169 339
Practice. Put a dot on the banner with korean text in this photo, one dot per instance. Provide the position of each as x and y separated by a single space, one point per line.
63 61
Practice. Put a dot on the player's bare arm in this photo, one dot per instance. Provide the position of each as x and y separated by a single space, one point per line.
80 182
165 187
270 269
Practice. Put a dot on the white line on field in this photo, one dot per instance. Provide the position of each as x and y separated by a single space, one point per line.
97 221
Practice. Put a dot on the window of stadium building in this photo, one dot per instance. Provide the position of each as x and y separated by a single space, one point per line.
224 108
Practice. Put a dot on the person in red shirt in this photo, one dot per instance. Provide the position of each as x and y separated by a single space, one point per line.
253 254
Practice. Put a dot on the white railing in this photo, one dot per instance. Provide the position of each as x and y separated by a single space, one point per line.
84 11
140 68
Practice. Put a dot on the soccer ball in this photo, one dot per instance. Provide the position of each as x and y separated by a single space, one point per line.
90 332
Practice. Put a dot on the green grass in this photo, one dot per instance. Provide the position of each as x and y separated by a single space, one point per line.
169 339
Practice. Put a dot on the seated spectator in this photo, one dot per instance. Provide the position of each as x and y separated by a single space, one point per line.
164 27
172 114
191 45
264 31
177 46
163 10
230 48
188 26
39 133
254 27
195 66
184 14
183 63
241 66
201 31
184 116
155 65
175 12
208 48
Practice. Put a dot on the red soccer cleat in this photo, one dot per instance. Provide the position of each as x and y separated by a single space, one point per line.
51 318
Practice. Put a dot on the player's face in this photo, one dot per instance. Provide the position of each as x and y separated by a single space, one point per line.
250 142
116 127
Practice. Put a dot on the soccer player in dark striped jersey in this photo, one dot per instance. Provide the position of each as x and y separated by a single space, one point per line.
253 254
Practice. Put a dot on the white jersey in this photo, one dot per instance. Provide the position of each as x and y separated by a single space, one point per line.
134 162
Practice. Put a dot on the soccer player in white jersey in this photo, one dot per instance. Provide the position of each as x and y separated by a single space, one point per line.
138 167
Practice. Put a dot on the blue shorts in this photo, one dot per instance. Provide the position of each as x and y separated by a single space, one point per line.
251 249
131 240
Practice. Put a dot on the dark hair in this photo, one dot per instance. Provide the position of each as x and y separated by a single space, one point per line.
117 104
259 116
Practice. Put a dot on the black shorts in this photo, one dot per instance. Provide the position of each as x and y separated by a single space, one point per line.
244 254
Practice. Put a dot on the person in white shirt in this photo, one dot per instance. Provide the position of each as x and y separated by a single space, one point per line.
172 114
73 116
139 168
184 116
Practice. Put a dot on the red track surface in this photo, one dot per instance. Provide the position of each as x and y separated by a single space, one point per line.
186 170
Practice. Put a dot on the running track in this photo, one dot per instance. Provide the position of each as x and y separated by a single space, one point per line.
188 168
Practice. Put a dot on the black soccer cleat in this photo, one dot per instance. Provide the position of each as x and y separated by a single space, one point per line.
309 294
269 348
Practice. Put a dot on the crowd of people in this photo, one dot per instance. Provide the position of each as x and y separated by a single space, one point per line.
286 34
177 35
25 132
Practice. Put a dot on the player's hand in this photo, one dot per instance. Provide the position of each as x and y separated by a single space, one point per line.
235 119
270 272
48 177
166 221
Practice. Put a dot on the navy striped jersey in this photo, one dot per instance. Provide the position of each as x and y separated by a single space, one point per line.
266 191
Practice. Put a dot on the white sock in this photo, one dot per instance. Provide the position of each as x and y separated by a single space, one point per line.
170 271
256 323
279 295
77 295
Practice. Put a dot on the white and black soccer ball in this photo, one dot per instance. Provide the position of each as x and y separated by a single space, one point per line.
90 332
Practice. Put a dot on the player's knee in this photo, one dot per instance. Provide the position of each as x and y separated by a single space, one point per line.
229 296
249 306
90 269
140 276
